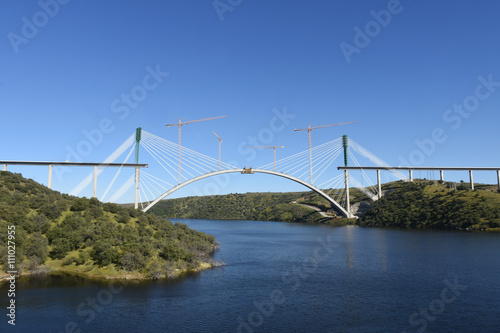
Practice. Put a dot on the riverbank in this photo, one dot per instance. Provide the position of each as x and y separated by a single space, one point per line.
107 273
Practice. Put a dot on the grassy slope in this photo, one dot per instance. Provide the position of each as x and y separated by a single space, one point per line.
59 232
428 204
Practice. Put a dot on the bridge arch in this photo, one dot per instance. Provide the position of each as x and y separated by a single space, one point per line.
284 175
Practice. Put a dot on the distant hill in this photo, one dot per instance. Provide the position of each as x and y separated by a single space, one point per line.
55 231
418 204
431 204
299 207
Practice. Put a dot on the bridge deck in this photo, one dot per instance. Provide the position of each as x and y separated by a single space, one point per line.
411 169
417 168
140 165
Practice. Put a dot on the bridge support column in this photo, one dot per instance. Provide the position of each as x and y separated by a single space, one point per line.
347 201
94 195
136 205
379 184
411 175
498 179
471 180
441 175
4 167
49 184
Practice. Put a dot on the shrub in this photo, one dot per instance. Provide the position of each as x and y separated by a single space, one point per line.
60 248
172 252
111 207
83 257
156 270
132 261
37 247
104 253
123 217
50 210
79 205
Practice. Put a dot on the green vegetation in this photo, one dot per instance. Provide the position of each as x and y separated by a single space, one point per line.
250 206
419 204
429 204
59 232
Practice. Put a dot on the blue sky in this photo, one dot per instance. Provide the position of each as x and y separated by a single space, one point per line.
66 66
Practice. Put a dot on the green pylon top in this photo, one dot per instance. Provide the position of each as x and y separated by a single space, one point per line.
138 132
345 142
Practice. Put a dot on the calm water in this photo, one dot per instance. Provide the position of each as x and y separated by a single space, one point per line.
290 278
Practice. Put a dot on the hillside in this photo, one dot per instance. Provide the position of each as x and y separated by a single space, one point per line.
56 231
429 204
283 207
418 204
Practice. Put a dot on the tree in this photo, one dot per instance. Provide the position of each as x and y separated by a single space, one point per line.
94 202
37 247
60 248
132 261
94 211
104 253
173 252
79 205
111 207
156 269
50 210
123 217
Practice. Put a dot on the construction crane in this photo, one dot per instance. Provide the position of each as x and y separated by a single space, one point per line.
274 147
309 129
220 141
180 124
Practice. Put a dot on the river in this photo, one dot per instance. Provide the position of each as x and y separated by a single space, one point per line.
282 277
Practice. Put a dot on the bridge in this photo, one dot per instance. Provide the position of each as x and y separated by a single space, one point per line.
51 165
171 167
411 169
251 171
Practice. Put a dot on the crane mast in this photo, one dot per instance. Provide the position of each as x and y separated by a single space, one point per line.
180 124
274 148
220 141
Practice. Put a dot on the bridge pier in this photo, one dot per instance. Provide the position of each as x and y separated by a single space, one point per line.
411 175
347 201
471 180
49 184
94 195
498 179
441 175
136 204
379 184
4 167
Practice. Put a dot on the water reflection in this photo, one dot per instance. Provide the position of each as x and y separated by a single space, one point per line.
349 241
380 240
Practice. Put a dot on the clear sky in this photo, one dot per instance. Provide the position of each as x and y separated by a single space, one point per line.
421 77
